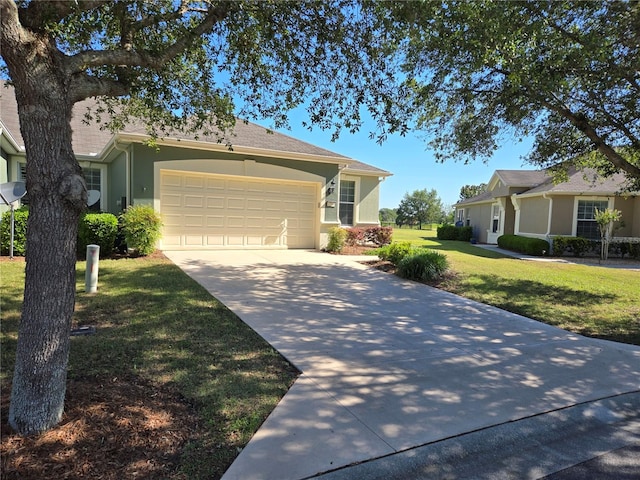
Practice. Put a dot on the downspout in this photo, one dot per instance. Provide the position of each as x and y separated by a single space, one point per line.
127 176
548 234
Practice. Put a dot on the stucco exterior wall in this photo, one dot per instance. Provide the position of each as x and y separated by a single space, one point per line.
562 217
479 217
369 199
630 209
534 215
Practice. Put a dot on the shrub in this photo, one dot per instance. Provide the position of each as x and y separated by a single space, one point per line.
379 235
526 245
627 248
337 239
355 236
424 266
451 232
20 217
578 246
395 252
141 226
97 229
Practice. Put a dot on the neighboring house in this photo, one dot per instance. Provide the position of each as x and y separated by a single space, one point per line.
269 191
528 203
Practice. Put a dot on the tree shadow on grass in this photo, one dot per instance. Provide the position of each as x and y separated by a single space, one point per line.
462 247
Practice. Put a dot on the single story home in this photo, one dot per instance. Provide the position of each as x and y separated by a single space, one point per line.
529 203
269 191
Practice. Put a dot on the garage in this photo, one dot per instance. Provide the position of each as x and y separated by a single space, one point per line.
205 211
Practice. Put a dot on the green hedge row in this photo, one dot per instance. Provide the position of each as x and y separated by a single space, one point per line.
139 224
526 245
578 247
451 232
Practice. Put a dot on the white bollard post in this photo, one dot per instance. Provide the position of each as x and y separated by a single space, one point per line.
91 272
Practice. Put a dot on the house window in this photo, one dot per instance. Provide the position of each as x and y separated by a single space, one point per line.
22 177
495 218
347 201
93 178
460 215
587 227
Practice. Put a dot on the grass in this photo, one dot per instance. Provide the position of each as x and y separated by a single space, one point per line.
594 301
154 322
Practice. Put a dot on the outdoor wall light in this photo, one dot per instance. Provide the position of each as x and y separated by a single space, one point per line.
331 188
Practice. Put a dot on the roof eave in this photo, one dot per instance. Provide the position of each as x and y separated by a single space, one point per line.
236 149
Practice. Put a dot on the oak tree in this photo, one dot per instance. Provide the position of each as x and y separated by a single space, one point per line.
565 73
190 65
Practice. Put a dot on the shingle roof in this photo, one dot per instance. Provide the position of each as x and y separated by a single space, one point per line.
586 181
580 182
522 178
90 139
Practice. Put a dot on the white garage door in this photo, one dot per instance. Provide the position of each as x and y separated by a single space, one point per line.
210 211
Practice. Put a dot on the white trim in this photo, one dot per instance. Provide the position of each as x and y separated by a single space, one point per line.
515 201
599 198
550 213
356 198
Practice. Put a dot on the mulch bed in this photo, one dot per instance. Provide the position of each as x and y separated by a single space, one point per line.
112 428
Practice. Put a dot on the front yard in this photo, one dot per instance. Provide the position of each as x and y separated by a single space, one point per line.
173 385
594 301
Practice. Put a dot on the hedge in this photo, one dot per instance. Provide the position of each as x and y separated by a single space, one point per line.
97 229
20 216
451 232
141 226
526 245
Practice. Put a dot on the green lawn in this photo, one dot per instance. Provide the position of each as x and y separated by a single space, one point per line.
153 321
595 301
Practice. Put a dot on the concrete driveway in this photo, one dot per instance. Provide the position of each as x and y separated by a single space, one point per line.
398 375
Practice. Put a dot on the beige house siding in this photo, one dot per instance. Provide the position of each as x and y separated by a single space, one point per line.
534 215
630 209
477 216
562 219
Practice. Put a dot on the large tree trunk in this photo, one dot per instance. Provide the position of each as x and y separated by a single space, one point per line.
57 195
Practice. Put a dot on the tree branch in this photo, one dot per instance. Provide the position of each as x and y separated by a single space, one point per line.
39 13
94 58
582 124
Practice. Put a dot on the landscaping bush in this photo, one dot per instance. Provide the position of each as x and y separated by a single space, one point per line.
526 245
20 216
627 248
355 236
578 246
378 236
337 239
97 229
141 226
395 252
451 232
423 266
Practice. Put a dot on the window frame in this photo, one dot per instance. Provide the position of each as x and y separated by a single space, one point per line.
576 212
354 203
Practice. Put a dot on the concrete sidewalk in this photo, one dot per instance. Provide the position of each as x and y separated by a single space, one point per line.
393 369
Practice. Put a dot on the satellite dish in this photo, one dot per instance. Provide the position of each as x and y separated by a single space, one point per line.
92 197
12 191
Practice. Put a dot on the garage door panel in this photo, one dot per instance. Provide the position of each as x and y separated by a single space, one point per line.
194 182
209 211
215 202
193 201
235 203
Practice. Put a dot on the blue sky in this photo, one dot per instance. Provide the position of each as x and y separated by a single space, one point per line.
411 161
